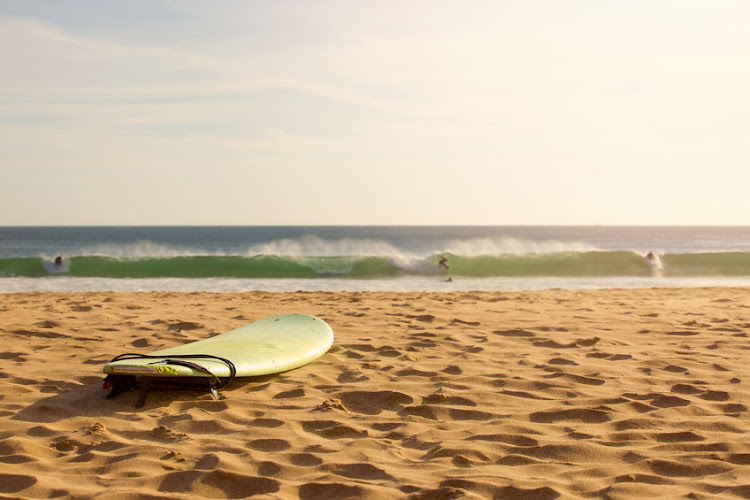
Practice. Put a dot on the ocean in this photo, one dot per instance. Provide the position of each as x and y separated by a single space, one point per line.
369 258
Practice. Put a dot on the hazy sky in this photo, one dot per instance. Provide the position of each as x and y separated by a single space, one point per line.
374 112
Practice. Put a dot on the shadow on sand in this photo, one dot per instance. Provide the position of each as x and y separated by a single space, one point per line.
89 399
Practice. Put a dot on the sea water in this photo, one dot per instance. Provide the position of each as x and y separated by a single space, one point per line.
285 258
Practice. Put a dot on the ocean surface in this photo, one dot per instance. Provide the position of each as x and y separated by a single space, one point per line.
285 258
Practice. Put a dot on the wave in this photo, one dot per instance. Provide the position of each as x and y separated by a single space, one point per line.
315 246
553 264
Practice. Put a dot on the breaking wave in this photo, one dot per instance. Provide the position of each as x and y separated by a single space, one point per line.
356 259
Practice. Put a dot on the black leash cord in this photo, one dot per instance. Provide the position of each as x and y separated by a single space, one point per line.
176 360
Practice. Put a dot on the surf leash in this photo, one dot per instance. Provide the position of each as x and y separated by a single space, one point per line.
179 359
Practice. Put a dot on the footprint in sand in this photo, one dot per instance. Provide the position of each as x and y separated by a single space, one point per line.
457 321
512 439
658 400
524 394
374 402
47 324
41 335
424 318
362 471
438 412
543 493
305 460
330 429
294 393
388 352
269 445
217 483
579 379
562 361
677 437
556 345
619 357
734 409
179 326
316 491
685 389
675 369
349 377
269 469
14 483
682 333
207 462
163 433
18 357
448 400
519 461
466 453
411 372
329 405
714 396
681 468
452 370
516 332
267 422
585 415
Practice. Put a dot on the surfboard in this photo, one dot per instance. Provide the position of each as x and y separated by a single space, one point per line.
271 345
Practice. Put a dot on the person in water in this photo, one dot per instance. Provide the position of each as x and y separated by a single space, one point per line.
58 261
444 263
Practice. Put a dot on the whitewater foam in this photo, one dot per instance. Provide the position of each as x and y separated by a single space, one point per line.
142 249
314 246
478 247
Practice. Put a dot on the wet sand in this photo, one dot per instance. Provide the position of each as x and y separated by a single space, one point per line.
539 395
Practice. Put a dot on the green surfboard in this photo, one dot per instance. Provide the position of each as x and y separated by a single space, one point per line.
271 345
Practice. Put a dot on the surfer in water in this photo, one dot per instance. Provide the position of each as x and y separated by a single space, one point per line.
56 266
444 265
653 261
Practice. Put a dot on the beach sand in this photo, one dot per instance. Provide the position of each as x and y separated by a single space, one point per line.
529 395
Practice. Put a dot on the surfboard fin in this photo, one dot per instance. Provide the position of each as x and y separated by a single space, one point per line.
145 388
123 383
118 384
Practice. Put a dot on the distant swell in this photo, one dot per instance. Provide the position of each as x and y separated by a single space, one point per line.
563 264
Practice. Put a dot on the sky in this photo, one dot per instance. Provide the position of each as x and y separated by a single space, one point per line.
390 112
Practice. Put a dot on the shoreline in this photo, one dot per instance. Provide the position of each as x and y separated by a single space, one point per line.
572 393
61 284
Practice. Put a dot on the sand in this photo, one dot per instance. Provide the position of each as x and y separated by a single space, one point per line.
533 395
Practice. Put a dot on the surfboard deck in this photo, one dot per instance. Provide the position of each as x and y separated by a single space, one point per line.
271 345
